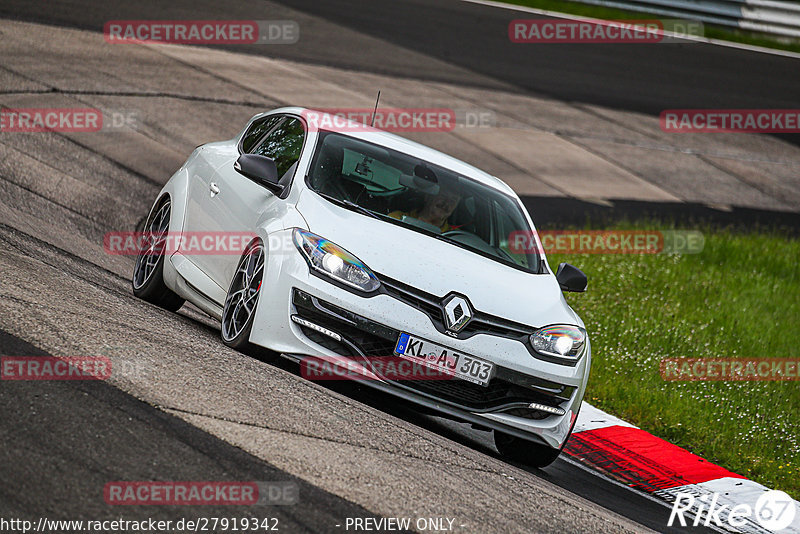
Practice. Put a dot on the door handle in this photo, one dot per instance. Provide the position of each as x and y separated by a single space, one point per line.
214 188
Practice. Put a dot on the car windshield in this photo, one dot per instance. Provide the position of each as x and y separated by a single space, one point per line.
404 190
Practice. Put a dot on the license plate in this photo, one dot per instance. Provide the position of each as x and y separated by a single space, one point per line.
444 360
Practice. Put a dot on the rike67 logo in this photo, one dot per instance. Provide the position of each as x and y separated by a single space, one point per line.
774 511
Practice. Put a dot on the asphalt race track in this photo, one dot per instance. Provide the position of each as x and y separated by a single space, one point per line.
107 435
466 45
474 39
89 433
182 406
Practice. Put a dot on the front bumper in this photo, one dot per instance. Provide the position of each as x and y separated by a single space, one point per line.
369 328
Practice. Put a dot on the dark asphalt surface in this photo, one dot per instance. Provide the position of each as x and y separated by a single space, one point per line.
64 440
625 76
72 437
465 43
645 78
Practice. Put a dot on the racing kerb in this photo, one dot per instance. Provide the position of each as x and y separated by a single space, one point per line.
642 461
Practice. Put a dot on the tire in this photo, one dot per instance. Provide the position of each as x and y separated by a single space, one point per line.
240 304
524 451
148 273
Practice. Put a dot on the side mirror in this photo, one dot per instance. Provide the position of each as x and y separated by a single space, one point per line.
261 169
570 278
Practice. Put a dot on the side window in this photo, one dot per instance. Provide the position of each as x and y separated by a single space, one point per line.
257 130
283 144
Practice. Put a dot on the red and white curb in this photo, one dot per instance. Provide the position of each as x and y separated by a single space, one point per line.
642 461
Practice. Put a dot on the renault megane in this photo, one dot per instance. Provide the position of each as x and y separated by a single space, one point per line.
367 245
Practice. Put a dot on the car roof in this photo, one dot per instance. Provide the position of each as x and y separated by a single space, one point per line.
401 144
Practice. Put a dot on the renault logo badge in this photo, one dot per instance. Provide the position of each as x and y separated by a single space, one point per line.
457 312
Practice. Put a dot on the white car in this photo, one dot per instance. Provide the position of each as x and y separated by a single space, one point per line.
366 246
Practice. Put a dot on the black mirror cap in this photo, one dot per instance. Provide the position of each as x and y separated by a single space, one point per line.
570 278
260 169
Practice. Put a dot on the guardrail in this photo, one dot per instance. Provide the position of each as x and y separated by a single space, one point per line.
766 16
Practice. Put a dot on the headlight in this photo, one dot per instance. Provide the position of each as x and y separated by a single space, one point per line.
332 260
560 341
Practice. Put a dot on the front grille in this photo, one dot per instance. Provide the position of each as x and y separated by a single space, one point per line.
498 393
481 323
363 337
425 302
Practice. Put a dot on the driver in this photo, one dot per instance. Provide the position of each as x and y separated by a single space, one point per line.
437 209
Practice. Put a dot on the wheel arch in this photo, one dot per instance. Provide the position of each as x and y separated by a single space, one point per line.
175 190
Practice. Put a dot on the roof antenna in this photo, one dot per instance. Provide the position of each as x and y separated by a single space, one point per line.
372 123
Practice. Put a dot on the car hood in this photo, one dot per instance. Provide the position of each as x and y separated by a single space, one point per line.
437 267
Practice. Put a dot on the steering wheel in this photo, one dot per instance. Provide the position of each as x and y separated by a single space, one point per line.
454 233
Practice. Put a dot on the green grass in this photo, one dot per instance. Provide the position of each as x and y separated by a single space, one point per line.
740 297
710 31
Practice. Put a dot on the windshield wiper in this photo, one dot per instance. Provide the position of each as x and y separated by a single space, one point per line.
446 239
360 209
350 205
